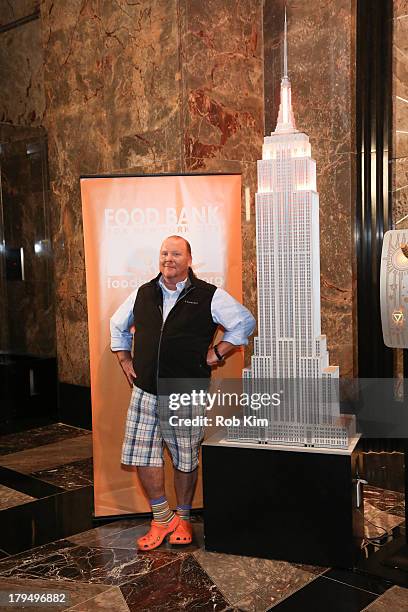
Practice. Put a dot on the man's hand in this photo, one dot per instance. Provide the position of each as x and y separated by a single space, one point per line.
126 363
212 359
223 349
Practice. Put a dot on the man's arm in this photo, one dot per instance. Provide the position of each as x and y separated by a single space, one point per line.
237 321
122 338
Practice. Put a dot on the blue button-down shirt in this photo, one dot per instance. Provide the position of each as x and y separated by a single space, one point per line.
237 321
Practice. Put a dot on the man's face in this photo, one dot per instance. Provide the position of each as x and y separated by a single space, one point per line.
174 260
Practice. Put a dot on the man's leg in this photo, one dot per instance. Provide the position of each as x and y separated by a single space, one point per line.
152 479
143 447
185 484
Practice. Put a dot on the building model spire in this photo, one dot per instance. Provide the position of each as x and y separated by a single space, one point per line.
285 49
286 119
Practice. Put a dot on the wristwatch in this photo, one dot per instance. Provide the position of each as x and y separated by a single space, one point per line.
217 353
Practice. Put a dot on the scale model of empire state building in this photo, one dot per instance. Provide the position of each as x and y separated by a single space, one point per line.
289 346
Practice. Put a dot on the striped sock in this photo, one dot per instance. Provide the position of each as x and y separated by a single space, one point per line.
183 511
161 511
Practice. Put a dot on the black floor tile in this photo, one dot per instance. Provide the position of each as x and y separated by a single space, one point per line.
323 595
13 426
46 520
27 484
373 584
38 436
72 475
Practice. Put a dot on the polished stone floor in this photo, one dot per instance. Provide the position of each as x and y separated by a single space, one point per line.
50 544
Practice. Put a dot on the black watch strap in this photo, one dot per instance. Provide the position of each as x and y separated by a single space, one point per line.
217 353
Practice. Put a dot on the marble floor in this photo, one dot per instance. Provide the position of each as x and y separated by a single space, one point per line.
49 544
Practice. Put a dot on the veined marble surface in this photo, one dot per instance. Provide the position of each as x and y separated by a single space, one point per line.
10 497
49 455
38 436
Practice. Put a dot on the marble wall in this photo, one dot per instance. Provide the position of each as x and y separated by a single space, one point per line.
22 101
178 85
399 160
400 113
321 50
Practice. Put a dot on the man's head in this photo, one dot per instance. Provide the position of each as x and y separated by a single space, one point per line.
175 259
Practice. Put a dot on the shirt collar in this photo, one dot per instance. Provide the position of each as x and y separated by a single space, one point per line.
180 285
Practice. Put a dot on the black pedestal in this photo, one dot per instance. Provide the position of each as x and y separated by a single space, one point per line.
298 505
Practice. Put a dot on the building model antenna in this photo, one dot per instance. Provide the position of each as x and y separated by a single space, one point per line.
285 49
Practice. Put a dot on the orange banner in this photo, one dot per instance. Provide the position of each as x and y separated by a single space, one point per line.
125 221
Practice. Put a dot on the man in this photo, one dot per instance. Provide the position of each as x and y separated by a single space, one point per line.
175 317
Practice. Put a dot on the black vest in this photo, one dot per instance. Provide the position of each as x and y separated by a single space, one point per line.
178 348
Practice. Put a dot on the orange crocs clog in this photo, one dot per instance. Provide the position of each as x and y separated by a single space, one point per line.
183 534
155 536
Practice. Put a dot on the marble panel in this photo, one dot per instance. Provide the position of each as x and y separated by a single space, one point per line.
395 599
76 124
72 152
400 192
69 475
49 455
23 440
76 592
400 87
22 559
141 71
222 81
10 497
21 65
335 182
112 599
398 510
183 586
237 577
400 8
120 92
64 561
378 524
11 10
382 499
252 603
98 536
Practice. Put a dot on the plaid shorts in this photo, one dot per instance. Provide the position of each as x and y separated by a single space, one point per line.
148 428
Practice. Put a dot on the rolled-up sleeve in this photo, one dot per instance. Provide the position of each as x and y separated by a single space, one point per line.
237 321
120 324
